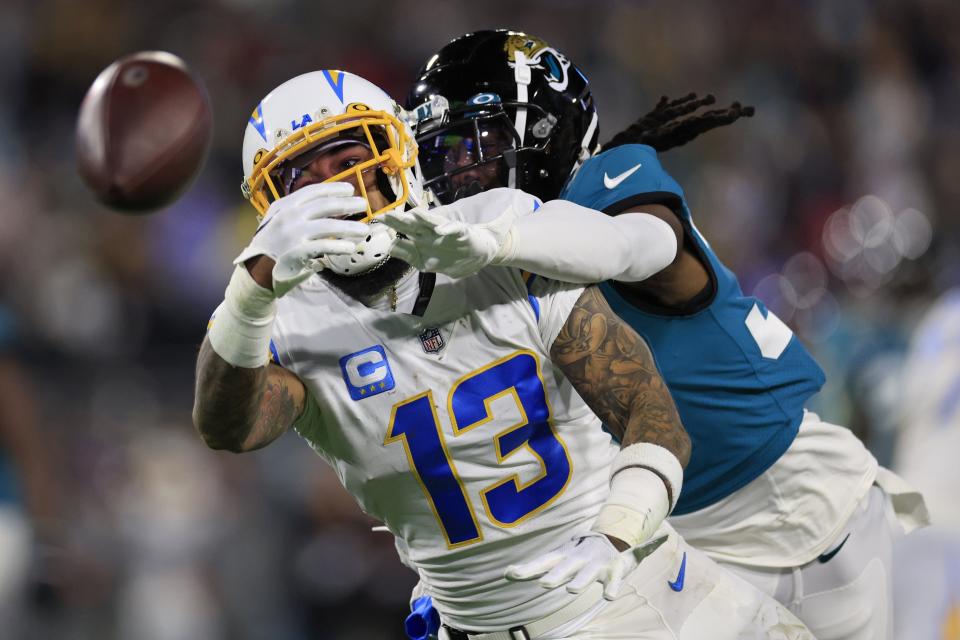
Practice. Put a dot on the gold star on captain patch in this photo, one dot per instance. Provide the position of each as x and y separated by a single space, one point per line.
383 385
373 387
363 391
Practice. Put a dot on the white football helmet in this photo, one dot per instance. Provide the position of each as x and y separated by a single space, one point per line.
317 109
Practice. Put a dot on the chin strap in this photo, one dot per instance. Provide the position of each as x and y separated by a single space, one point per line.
370 253
522 75
586 151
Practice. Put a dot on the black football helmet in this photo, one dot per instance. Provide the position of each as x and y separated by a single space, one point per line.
501 109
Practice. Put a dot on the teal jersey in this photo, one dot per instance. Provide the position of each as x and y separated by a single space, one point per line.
738 375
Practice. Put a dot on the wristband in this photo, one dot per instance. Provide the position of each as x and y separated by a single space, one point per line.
635 508
645 481
657 459
240 331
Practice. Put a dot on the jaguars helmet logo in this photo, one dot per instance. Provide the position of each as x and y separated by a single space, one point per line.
554 65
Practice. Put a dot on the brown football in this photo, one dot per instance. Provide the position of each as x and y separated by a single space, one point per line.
143 132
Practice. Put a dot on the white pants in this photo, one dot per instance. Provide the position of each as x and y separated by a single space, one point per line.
775 531
712 604
849 596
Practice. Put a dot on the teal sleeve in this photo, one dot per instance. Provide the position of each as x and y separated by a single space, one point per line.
621 177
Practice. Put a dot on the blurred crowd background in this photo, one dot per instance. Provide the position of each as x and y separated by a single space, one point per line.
837 204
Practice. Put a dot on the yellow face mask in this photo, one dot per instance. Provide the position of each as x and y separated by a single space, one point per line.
372 128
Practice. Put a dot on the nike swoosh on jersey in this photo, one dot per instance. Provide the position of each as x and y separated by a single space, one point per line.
677 585
829 555
612 183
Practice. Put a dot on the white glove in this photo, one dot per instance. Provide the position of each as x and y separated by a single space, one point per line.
458 249
299 229
583 561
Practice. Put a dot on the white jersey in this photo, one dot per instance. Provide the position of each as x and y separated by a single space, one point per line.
455 430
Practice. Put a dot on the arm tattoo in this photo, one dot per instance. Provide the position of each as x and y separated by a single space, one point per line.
278 411
240 409
613 370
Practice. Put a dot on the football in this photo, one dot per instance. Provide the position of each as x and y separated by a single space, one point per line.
143 132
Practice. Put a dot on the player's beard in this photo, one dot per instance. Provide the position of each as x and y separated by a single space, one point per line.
367 287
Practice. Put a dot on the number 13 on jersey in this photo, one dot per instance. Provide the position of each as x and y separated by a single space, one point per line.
508 501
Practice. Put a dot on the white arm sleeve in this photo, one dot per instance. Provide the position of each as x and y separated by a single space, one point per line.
565 241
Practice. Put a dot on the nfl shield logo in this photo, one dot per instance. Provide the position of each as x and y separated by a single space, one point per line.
431 340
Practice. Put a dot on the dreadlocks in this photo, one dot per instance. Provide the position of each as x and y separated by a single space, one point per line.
665 127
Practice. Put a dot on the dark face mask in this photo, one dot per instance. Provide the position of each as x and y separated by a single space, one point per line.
467 157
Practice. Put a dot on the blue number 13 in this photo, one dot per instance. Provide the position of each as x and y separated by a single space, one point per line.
508 501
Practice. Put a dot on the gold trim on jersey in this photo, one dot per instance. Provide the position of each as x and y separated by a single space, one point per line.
515 478
389 439
498 450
